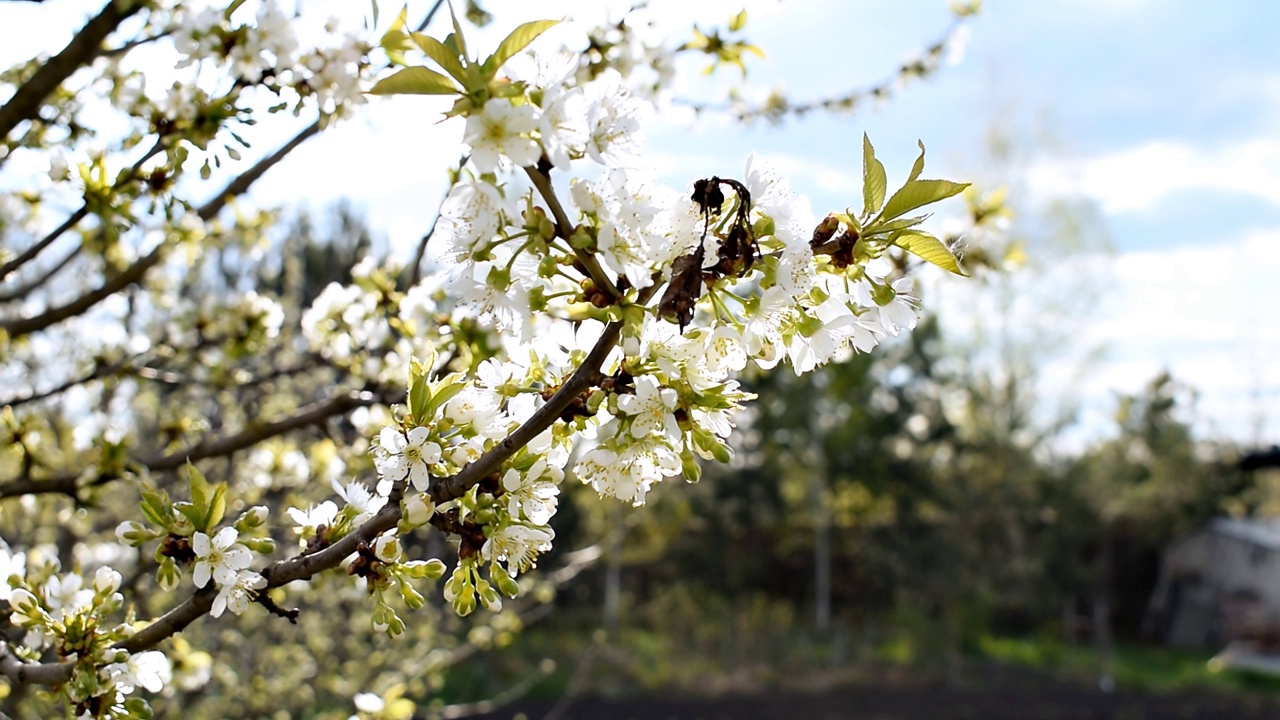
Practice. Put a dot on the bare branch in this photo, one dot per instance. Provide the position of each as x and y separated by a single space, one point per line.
83 48
564 228
312 414
134 273
36 283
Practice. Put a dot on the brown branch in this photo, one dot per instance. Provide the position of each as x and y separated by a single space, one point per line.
312 414
919 68
564 228
27 255
249 177
587 374
301 567
134 273
21 292
128 177
83 48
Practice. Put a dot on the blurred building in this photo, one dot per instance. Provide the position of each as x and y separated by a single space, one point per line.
1220 584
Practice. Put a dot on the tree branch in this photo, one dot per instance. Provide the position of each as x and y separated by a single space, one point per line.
21 292
564 229
83 48
312 414
587 374
134 273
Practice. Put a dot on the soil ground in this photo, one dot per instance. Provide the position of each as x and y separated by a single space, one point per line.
1021 699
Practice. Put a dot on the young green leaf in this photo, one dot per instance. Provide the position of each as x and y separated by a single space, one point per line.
918 193
193 514
919 166
442 55
414 81
395 41
928 248
419 396
902 223
217 507
199 486
442 396
157 508
873 179
739 21
518 40
456 36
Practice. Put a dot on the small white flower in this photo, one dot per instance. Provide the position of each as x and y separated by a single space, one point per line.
502 129
368 702
387 548
358 498
313 517
237 594
419 508
220 557
518 546
150 670
531 494
399 456
106 581
652 407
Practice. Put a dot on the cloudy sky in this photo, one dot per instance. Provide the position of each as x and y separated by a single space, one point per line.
1161 120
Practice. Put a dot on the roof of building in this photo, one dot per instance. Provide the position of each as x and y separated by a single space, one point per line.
1263 533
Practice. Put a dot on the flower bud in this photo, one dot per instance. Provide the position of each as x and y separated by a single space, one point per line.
168 575
106 581
133 533
418 509
412 598
252 518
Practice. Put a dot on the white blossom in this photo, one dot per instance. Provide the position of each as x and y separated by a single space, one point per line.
220 558
502 129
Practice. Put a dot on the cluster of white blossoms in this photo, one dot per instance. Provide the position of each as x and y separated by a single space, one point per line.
660 296
71 617
590 312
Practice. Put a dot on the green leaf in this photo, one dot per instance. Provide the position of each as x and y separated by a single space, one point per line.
414 81
919 165
419 397
895 225
199 486
444 395
518 40
395 40
458 42
737 22
193 514
918 193
928 248
873 179
442 55
217 506
157 508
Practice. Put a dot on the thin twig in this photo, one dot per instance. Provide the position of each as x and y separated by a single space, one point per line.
564 228
83 48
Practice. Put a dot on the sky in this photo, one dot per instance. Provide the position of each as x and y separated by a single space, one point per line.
1159 122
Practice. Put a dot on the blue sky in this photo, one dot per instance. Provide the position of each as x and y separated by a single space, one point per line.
1161 116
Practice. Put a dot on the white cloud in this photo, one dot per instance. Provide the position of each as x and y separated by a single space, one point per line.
1204 313
1208 317
1138 179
